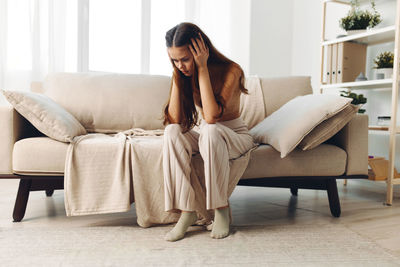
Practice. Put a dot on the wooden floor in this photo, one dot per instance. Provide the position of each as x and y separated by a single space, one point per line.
362 210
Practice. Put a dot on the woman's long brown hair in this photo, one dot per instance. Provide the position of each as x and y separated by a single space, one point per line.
218 66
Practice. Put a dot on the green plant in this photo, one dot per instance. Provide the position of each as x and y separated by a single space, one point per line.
357 99
384 60
358 19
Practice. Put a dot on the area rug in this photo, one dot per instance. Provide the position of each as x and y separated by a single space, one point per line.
287 245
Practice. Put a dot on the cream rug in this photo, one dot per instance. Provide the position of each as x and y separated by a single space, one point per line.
288 245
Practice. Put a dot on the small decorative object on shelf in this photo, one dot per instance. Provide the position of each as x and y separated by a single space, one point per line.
383 120
361 77
357 99
384 65
359 20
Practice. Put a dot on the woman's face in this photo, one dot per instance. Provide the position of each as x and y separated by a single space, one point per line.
182 58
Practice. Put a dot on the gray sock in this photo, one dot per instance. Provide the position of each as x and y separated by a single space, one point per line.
178 232
221 223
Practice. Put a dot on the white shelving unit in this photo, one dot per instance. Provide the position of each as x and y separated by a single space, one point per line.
373 84
373 37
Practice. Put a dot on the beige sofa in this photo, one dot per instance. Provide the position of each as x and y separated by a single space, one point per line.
114 102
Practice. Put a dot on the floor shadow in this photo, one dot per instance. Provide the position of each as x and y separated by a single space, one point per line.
51 207
292 207
115 222
196 230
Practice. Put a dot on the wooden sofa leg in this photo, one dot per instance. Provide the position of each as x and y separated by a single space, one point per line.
49 192
333 196
294 191
22 199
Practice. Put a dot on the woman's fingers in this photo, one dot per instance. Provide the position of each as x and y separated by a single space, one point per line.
203 44
199 44
199 51
196 46
192 50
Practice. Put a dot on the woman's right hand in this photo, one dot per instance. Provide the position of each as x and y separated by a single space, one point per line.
200 52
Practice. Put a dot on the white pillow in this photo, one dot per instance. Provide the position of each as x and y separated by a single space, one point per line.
46 115
285 128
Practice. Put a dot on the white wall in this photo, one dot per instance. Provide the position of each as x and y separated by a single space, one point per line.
306 32
271 38
240 37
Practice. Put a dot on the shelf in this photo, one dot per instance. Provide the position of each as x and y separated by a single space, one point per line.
377 35
378 128
370 37
382 128
372 84
347 2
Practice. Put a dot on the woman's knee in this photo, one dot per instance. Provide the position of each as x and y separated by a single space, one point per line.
210 132
172 130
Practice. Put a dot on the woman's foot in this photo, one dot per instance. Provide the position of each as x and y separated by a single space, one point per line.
178 232
220 227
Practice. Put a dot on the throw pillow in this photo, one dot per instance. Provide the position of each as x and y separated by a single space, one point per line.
286 127
328 128
46 115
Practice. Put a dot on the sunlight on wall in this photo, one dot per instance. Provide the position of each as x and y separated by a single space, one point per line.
114 35
39 37
164 16
18 41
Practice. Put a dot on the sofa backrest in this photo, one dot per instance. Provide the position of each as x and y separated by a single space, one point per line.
278 91
109 102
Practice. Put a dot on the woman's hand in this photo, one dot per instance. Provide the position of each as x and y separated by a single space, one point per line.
199 51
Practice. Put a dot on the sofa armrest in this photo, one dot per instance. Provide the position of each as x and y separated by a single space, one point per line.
13 128
353 138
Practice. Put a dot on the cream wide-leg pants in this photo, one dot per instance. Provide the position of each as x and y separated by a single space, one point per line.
217 144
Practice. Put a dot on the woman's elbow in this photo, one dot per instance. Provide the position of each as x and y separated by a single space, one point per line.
210 119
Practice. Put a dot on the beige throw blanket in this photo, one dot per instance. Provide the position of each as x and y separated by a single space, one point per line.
97 175
106 173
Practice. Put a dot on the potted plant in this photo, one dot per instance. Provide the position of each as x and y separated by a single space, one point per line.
384 65
359 20
357 99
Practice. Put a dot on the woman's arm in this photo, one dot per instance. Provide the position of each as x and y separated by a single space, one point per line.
211 109
200 53
174 108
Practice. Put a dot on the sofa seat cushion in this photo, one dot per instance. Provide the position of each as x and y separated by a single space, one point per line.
324 160
45 156
39 156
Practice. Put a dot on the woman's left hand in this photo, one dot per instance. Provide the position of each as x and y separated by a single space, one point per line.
200 51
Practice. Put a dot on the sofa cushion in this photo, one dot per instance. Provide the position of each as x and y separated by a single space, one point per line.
46 115
44 156
109 103
39 156
324 160
328 128
286 127
280 90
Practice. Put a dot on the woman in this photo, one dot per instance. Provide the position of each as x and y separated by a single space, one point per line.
202 77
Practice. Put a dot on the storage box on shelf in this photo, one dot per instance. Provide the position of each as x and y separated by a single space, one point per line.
345 61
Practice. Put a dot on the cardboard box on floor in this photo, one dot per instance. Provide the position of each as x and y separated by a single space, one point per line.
379 169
